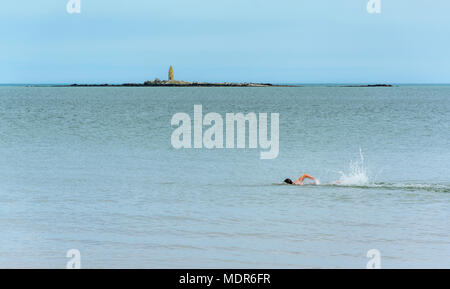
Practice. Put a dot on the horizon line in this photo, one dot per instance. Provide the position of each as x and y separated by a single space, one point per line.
258 82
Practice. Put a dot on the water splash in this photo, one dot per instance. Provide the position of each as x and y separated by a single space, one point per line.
357 174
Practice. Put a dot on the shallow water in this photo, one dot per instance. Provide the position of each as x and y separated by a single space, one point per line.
93 169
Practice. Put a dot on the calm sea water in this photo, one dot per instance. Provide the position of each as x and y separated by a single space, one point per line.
93 169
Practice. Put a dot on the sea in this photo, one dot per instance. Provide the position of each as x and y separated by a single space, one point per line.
93 169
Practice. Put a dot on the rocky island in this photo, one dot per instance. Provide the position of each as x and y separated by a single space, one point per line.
370 85
179 83
171 82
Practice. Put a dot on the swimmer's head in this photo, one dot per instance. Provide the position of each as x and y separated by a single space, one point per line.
288 181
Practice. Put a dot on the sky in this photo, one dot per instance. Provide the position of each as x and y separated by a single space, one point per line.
283 41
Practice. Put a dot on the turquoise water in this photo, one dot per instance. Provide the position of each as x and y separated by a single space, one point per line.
93 169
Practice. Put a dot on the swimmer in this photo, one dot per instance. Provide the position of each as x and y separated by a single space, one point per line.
300 180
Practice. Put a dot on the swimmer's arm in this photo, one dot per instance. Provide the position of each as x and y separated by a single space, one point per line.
312 178
302 178
306 176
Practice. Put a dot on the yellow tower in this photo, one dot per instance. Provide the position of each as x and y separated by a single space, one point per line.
171 73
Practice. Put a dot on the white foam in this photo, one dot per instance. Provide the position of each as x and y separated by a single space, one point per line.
357 174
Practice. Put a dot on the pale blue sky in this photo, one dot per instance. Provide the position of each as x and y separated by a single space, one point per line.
295 41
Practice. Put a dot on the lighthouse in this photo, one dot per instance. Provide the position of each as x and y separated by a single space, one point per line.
171 73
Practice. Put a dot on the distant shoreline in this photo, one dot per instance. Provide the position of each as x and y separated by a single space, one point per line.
212 84
182 84
369 85
207 84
